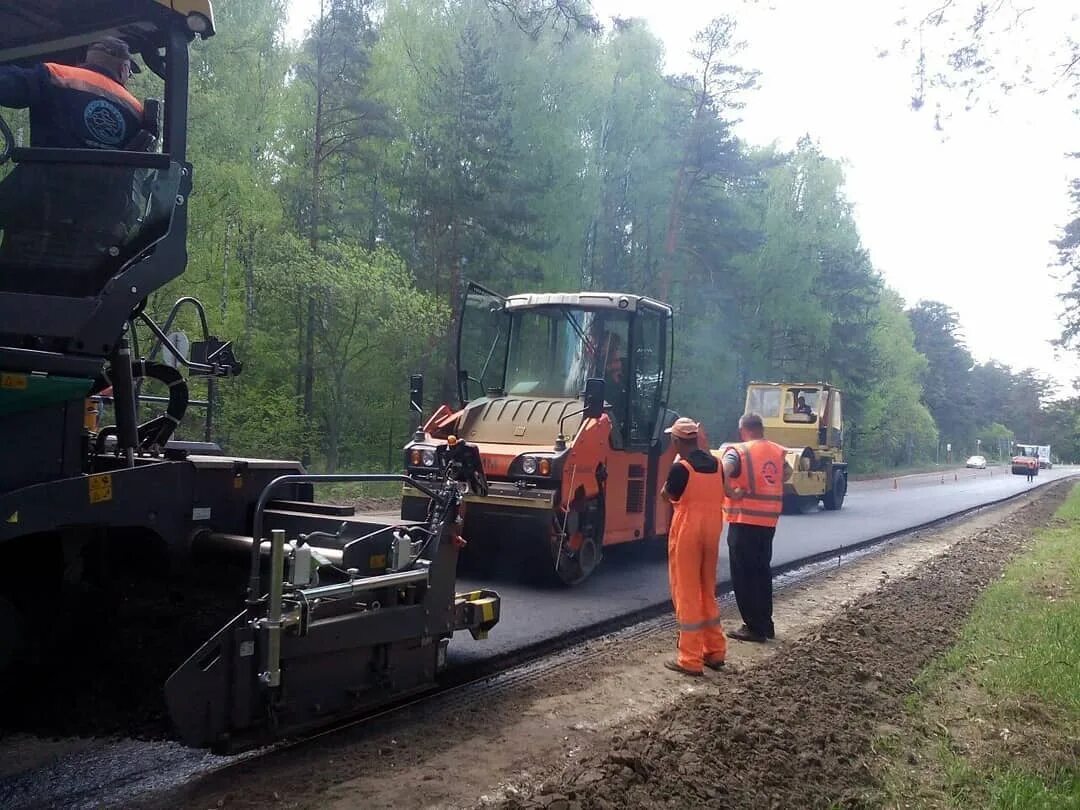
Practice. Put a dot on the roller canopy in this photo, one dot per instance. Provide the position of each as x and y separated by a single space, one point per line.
30 31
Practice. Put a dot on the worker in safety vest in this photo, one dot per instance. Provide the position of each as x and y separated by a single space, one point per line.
78 107
754 475
87 106
695 487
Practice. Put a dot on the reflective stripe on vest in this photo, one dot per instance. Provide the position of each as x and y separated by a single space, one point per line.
763 500
90 81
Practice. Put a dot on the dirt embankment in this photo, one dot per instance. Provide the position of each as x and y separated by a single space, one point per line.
797 731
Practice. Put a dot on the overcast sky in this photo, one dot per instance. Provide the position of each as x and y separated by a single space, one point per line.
966 219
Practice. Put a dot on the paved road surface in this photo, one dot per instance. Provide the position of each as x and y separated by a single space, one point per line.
634 578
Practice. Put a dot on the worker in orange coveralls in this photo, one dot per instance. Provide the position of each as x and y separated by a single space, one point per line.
695 487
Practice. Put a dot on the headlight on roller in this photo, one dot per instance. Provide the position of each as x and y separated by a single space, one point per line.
536 465
421 457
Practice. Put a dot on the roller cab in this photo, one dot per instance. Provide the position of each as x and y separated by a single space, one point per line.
807 419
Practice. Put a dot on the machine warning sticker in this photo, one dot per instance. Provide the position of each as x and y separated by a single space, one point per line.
14 382
200 513
14 518
100 488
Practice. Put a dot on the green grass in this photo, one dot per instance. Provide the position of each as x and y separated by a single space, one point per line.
996 721
967 786
349 493
1023 638
1020 790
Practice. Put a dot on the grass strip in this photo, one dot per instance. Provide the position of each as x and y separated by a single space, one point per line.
995 722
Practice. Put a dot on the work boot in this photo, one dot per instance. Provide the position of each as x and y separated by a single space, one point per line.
674 667
744 633
715 666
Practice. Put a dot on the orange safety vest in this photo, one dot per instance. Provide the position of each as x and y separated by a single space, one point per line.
761 478
90 81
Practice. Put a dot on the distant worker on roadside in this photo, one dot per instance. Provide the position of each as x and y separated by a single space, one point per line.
754 475
695 487
78 107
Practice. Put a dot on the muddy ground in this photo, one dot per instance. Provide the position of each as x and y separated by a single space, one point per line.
797 731
787 724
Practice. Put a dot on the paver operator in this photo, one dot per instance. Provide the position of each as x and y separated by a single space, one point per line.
72 107
84 107
695 487
754 475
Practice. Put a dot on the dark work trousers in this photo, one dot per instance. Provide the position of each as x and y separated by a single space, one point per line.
750 555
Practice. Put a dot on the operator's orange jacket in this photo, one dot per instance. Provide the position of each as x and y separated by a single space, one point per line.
761 478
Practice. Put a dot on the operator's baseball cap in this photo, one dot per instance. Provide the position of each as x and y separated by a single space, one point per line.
118 49
684 428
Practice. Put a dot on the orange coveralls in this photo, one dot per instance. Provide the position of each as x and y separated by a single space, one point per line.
693 552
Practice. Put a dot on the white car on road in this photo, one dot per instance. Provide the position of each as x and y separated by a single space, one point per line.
976 463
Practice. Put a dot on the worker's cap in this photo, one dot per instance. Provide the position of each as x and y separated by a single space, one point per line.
684 428
118 49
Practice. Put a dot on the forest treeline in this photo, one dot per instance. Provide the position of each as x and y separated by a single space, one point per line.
349 184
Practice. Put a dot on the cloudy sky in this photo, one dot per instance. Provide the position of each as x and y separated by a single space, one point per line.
965 218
